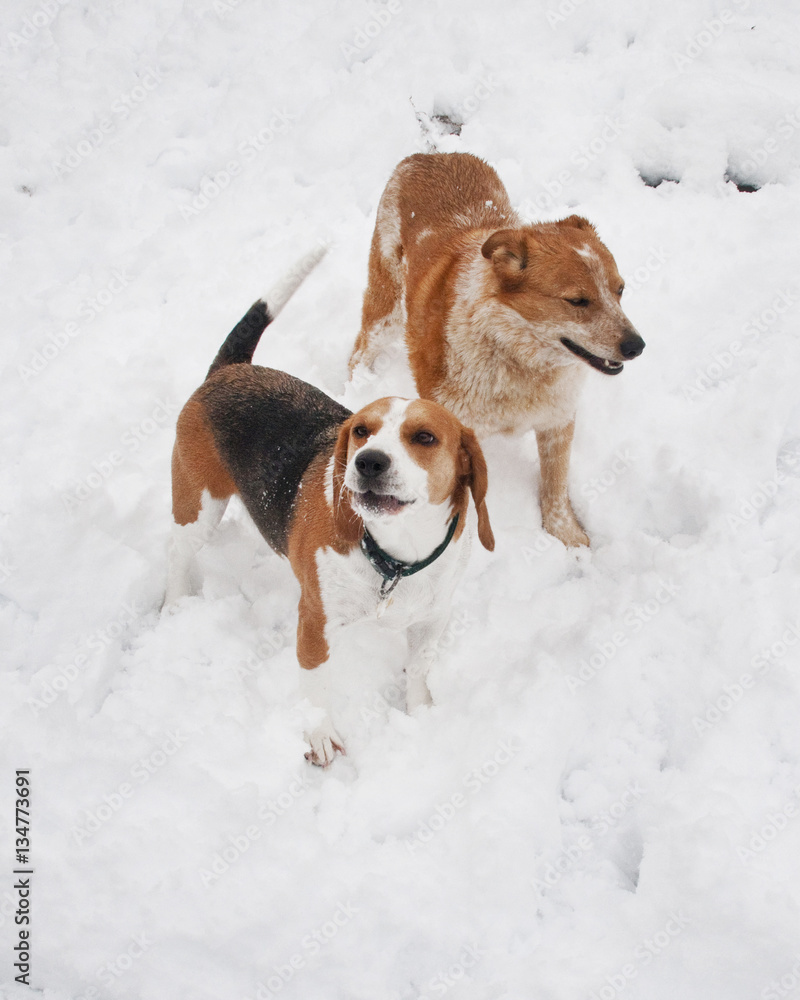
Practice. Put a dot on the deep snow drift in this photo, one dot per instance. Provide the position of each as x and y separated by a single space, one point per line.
603 801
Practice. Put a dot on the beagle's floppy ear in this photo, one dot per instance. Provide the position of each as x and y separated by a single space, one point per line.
507 249
340 458
347 522
473 467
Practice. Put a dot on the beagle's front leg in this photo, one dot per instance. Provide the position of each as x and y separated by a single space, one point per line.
313 654
323 739
424 643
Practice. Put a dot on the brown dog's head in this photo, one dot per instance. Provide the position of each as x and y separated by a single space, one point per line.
562 279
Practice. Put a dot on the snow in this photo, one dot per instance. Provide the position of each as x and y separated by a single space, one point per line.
603 801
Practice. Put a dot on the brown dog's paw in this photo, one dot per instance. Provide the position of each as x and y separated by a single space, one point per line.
563 525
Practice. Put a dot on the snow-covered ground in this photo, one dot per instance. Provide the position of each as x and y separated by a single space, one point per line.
605 799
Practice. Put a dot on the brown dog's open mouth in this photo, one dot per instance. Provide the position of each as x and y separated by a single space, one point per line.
380 503
601 364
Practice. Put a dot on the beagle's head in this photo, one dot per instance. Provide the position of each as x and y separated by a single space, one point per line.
396 456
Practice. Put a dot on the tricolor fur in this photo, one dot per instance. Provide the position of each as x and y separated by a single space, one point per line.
501 319
314 477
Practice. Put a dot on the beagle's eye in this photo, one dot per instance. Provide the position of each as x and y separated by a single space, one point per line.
424 437
361 431
620 290
581 303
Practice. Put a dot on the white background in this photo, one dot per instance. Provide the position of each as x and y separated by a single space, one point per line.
604 800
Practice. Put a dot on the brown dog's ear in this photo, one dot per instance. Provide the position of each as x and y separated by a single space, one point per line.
473 467
577 222
508 252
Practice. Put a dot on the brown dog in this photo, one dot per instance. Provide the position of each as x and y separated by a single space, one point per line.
501 319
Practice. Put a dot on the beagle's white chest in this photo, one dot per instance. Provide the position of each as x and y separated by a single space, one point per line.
351 590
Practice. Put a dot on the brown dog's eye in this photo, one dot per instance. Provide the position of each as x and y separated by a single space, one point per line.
620 290
361 431
582 303
424 437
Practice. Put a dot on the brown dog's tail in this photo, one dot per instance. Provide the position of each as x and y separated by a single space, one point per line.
241 342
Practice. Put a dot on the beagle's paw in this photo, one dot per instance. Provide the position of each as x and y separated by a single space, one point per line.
324 742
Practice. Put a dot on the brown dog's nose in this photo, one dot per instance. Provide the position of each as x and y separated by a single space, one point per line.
632 346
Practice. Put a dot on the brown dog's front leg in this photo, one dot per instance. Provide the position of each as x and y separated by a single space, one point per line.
558 517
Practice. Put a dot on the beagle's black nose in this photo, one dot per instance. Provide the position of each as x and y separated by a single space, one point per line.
632 346
371 463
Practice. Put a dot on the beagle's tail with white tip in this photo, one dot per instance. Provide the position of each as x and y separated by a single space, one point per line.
241 342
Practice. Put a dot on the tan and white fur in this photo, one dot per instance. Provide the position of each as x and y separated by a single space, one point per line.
501 319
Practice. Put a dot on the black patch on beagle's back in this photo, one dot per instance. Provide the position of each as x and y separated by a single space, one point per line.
267 427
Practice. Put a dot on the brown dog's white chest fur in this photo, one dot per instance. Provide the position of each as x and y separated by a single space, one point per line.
501 320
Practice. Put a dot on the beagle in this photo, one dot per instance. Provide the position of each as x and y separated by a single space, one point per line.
370 507
502 320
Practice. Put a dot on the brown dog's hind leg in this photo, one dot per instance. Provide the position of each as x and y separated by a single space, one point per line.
382 314
558 517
